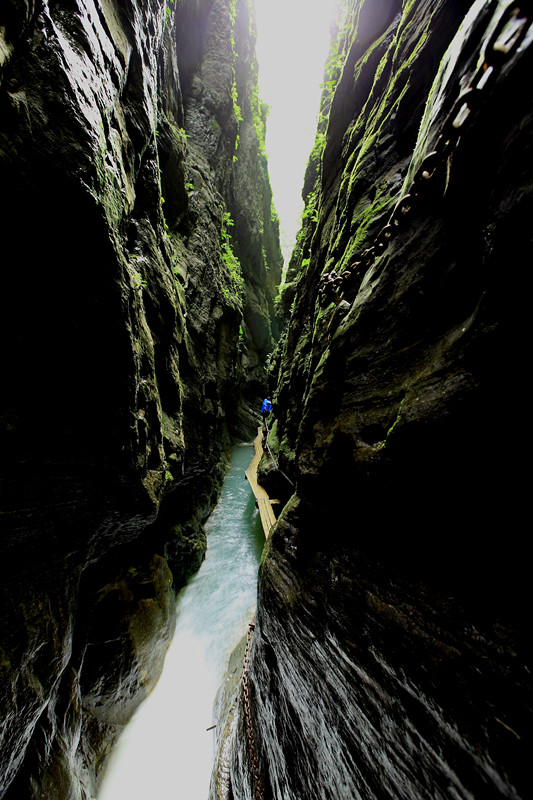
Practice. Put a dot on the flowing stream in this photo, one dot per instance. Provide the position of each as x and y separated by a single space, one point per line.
165 752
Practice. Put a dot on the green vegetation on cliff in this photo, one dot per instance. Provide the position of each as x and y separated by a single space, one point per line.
233 287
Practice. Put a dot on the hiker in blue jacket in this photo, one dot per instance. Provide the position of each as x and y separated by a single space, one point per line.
266 408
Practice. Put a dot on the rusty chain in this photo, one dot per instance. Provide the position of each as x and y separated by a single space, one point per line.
272 457
496 49
258 782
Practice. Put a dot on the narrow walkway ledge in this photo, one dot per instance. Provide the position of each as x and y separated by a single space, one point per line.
264 503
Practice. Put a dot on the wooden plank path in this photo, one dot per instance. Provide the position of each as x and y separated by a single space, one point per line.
264 504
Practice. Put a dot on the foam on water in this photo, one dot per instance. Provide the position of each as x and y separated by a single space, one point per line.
165 752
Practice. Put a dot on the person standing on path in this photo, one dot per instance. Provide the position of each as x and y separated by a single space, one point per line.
266 408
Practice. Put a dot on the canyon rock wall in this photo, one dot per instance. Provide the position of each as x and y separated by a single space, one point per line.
139 264
390 657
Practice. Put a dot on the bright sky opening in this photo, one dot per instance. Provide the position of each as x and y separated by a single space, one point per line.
293 42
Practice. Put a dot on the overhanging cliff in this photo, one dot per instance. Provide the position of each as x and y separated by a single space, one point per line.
139 269
390 656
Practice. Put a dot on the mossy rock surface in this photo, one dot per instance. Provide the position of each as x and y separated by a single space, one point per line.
379 596
128 380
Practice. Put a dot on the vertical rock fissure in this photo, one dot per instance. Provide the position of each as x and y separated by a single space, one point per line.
390 650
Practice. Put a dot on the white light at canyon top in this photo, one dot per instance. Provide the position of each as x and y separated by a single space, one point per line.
293 41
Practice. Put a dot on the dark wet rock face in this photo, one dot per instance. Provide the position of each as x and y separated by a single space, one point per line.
140 260
391 654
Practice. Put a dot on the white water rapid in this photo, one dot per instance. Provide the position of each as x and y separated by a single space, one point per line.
165 752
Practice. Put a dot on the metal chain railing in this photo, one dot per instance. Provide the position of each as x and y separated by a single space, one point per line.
496 49
272 455
258 781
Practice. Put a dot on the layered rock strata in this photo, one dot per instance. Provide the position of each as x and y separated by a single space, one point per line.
390 656
140 261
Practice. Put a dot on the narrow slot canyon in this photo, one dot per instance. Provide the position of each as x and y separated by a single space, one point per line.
176 250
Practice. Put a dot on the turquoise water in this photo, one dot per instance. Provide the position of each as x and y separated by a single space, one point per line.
166 753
